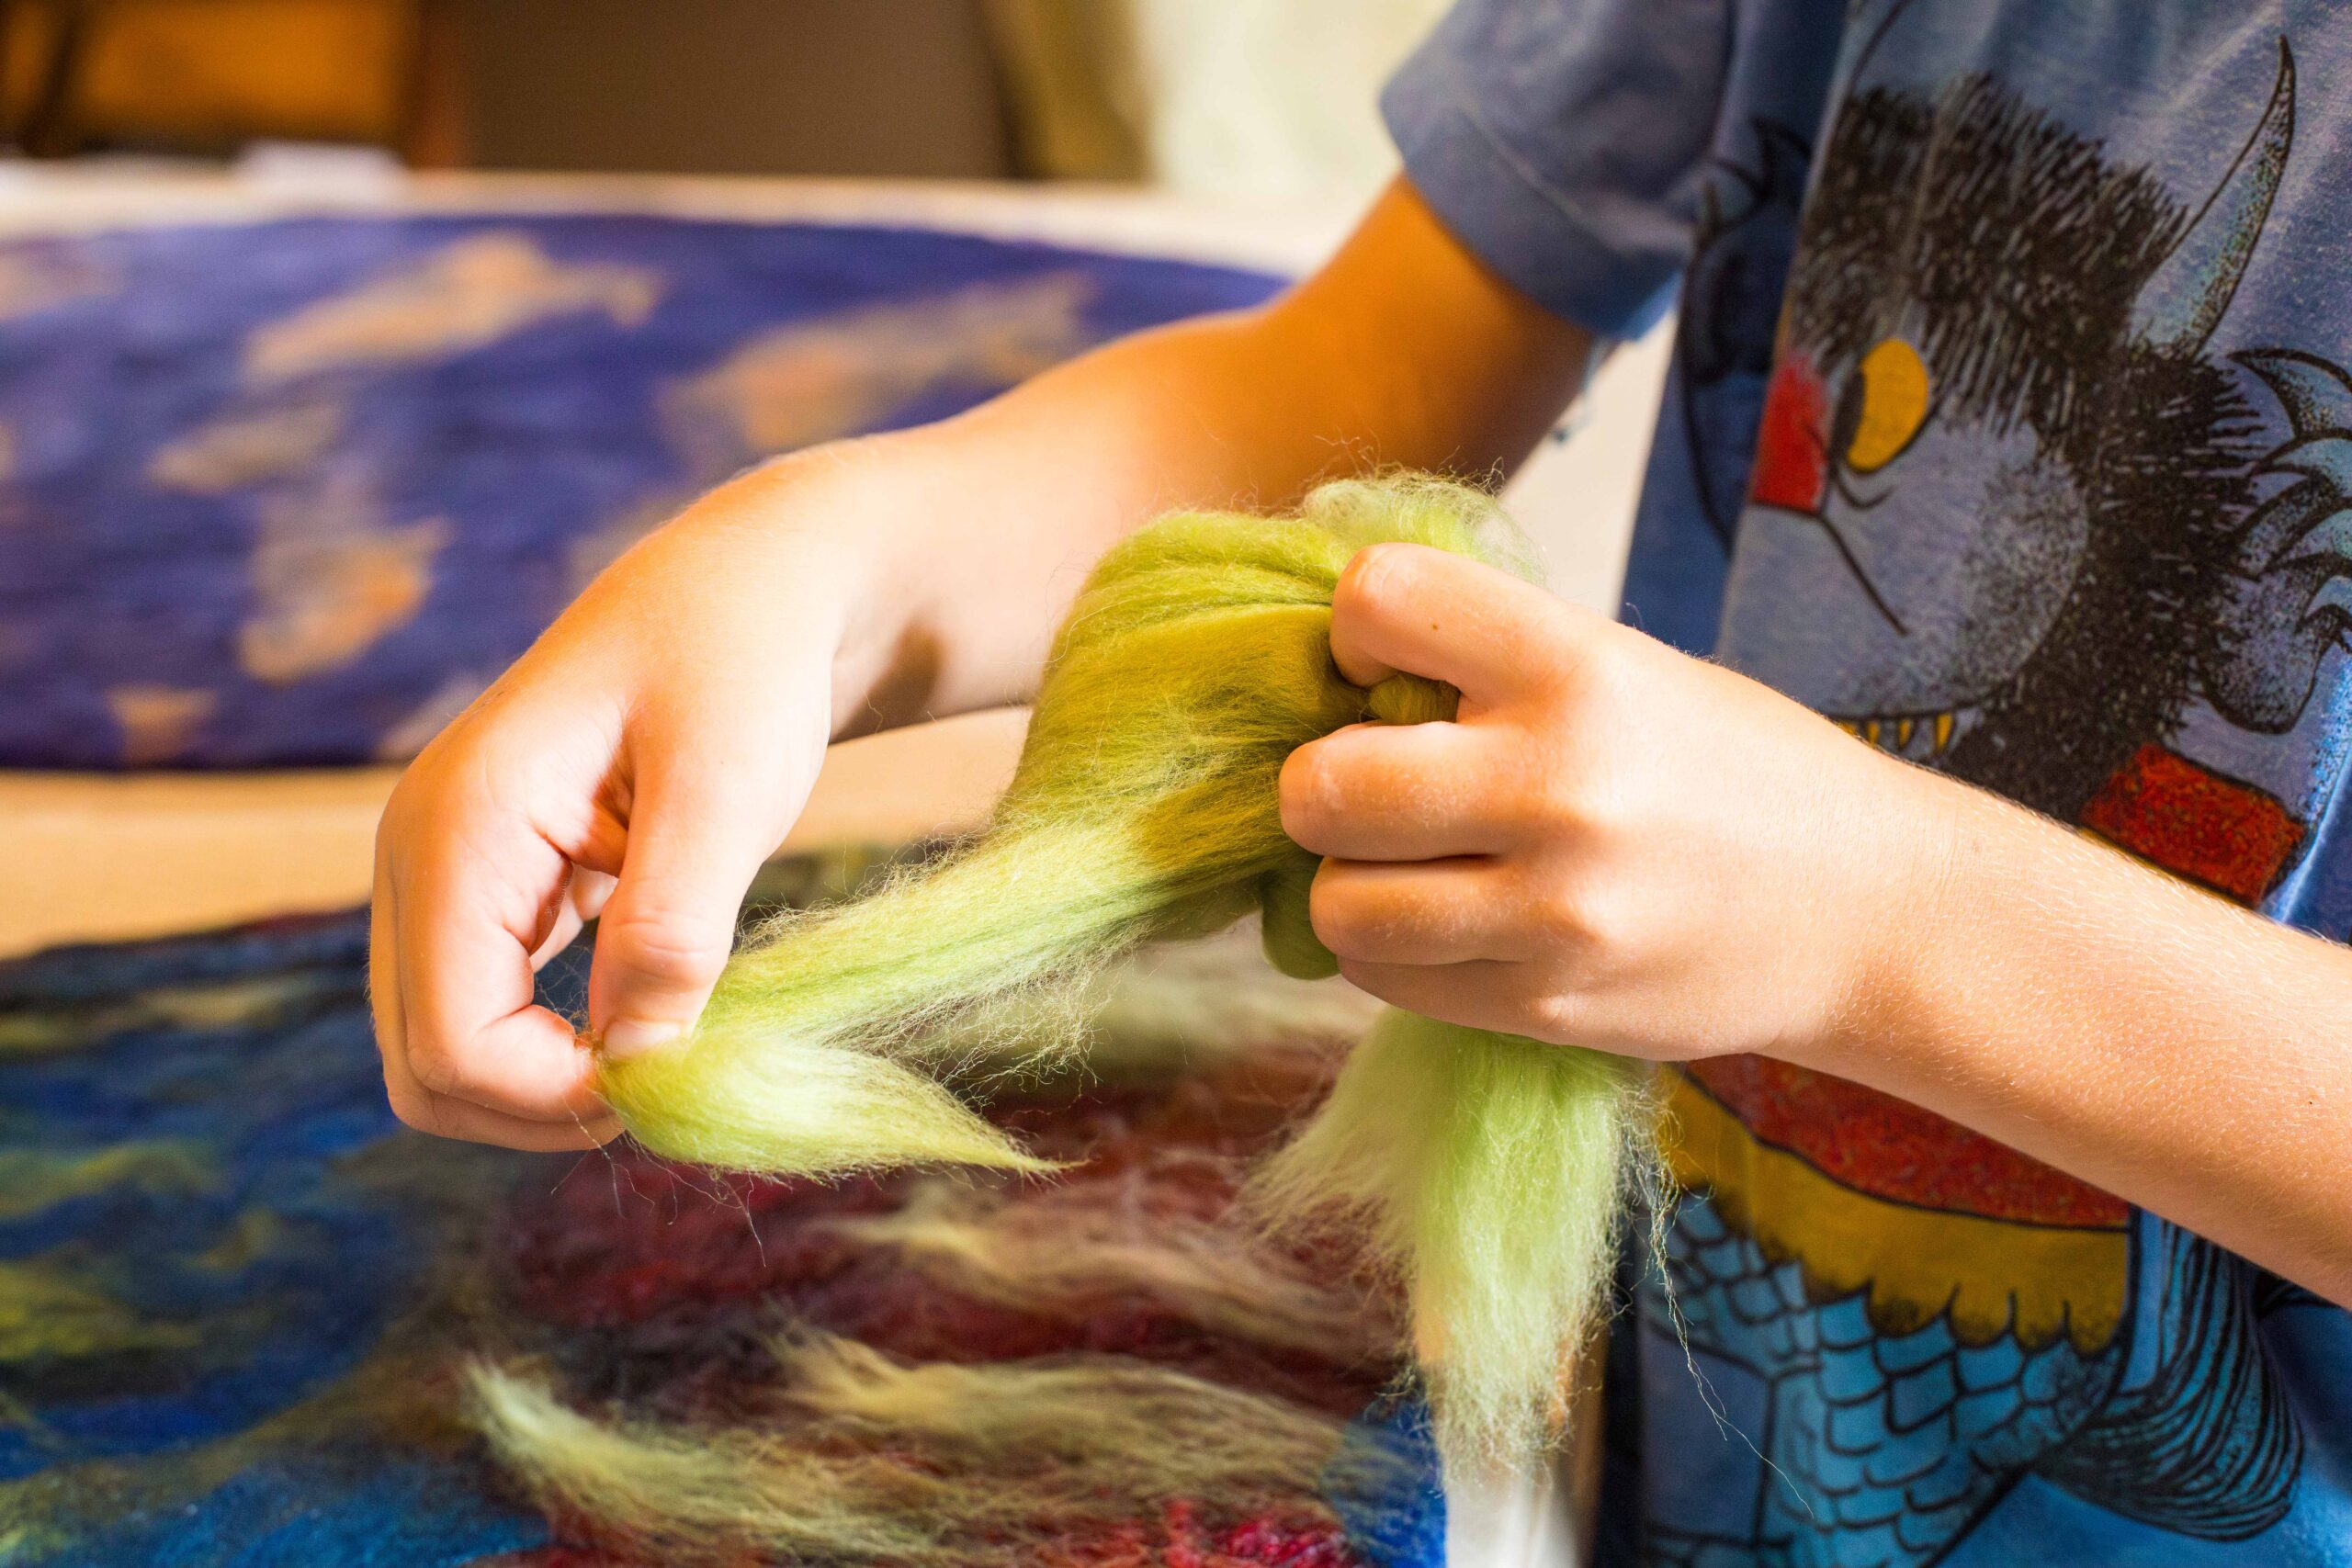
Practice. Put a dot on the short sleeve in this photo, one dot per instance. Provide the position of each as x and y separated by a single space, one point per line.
1565 141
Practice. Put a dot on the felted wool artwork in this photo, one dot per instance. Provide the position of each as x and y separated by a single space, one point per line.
289 491
251 1319
1479 1174
1002 1371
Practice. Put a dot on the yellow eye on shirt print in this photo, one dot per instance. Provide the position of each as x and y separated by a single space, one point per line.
1885 403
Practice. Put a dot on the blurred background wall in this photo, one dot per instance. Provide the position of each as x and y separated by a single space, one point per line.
905 87
1226 97
1208 97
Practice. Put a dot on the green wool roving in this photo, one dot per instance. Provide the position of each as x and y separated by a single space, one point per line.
1483 1170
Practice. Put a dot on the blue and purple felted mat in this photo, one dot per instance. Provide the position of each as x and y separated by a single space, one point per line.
291 492
236 1298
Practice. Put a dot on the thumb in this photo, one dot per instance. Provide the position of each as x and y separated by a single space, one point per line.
696 837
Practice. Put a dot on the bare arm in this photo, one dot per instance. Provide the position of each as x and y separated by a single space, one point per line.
655 744
2146 1036
1404 351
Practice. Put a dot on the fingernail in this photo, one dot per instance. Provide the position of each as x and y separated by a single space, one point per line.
634 1037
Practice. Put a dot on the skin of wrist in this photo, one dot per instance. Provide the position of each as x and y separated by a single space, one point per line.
843 553
2002 905
1939 859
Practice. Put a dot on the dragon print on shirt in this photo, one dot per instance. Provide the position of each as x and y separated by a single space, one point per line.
2012 517
2024 504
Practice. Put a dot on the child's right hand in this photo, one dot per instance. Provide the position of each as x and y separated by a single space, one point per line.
638 763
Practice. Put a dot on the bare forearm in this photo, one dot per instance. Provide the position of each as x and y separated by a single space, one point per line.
2133 1031
1402 353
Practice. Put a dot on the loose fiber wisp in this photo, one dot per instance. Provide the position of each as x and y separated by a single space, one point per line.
861 1458
1482 1172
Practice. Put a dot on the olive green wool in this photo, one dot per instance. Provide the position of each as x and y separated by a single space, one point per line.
1483 1170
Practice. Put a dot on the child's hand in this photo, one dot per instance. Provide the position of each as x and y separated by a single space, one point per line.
677 712
1614 845
1618 846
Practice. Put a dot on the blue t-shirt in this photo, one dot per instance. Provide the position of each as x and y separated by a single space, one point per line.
2010 426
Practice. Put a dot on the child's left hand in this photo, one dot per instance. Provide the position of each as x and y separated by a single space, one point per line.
1614 844
1618 846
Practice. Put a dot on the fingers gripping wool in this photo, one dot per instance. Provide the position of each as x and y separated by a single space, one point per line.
1194 661
1483 1170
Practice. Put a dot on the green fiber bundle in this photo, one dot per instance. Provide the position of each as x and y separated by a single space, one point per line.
1483 1170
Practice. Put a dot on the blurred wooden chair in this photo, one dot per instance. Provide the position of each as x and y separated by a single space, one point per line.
877 88
206 77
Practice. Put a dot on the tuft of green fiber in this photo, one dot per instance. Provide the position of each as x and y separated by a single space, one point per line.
864 1459
1195 659
1483 1171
